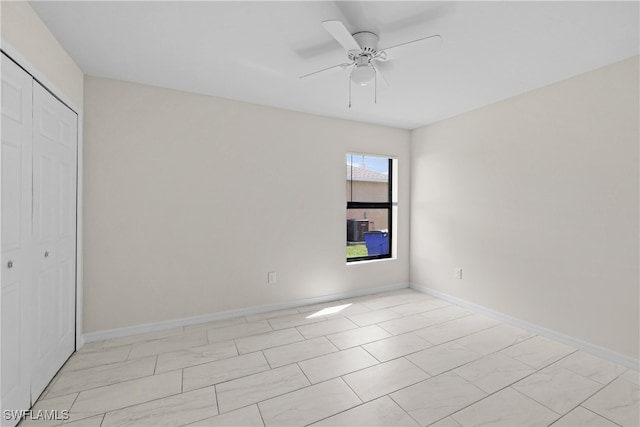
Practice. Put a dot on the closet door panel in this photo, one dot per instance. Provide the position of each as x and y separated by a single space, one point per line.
54 222
11 194
16 240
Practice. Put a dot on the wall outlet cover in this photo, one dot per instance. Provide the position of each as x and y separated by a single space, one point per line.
271 277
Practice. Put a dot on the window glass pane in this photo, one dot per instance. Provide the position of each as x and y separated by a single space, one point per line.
367 232
367 178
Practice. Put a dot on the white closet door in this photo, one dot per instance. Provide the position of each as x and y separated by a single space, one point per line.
55 136
16 265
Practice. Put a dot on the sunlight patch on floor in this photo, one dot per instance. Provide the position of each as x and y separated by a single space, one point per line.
328 310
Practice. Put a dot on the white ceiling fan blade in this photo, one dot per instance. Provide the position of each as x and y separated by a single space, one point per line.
341 34
332 68
402 49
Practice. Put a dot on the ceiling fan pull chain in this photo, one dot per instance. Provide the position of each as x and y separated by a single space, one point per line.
375 86
349 93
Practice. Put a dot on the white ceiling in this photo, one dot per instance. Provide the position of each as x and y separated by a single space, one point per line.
255 51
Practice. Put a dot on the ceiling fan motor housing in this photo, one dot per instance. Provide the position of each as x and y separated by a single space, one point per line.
367 41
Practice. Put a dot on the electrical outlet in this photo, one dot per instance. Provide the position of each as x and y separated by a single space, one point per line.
271 277
458 273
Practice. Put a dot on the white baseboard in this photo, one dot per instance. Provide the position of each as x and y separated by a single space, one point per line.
598 351
176 323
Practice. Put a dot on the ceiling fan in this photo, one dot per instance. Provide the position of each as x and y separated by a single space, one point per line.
365 58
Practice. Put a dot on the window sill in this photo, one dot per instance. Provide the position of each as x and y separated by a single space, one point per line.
369 261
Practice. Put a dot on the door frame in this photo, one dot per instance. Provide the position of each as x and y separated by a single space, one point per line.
17 57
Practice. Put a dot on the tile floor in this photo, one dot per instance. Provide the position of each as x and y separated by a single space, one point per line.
393 359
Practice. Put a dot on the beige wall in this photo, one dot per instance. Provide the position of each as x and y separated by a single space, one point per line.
536 198
28 35
190 200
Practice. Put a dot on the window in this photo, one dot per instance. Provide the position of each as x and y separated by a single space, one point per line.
370 207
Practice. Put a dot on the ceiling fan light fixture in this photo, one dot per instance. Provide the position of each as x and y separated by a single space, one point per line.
363 74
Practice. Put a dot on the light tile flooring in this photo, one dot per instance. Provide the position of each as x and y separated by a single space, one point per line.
393 359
